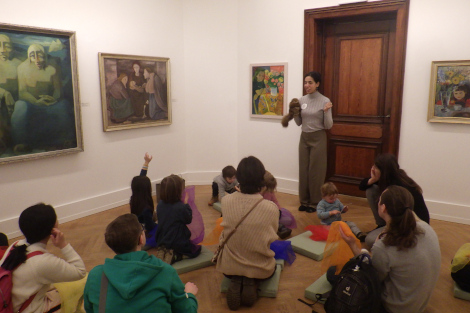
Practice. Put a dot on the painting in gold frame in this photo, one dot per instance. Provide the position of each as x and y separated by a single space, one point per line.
449 97
135 91
39 94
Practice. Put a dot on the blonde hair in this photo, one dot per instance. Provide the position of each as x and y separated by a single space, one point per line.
270 182
328 189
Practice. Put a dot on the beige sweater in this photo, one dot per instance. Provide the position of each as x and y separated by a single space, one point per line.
247 252
39 272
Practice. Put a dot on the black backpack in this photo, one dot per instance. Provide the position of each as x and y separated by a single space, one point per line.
357 288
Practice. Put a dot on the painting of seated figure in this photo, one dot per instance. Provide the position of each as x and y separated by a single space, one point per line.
39 97
135 91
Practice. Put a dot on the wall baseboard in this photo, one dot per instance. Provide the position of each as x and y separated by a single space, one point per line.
99 203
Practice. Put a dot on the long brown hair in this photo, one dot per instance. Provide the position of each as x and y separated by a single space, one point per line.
171 189
392 174
141 195
402 231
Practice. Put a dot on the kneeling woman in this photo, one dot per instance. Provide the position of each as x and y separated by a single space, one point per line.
406 255
251 224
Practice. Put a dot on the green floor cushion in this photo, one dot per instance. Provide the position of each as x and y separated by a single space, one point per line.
188 265
302 244
459 293
320 286
217 206
268 288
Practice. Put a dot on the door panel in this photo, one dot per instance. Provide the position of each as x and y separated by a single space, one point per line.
359 70
359 50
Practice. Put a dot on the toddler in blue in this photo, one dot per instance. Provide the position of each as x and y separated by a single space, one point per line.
329 209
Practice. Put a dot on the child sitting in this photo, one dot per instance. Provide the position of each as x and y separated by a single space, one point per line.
137 281
268 194
224 183
173 236
329 209
141 201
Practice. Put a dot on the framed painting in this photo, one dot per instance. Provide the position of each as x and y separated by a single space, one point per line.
268 97
39 96
449 96
135 91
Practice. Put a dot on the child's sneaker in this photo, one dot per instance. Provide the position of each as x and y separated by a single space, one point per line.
164 254
361 236
213 200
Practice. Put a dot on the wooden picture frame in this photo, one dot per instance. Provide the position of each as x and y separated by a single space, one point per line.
39 94
268 92
449 96
135 91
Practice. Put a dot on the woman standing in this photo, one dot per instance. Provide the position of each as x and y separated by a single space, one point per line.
406 255
246 257
315 116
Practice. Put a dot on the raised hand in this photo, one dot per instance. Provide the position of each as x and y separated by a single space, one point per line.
147 157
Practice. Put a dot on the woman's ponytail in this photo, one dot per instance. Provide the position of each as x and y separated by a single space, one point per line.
16 257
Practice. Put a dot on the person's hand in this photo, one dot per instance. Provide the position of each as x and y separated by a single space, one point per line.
237 187
58 238
191 288
147 157
334 212
46 100
374 175
345 209
350 240
327 106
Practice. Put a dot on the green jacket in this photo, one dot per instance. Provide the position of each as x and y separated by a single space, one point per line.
138 282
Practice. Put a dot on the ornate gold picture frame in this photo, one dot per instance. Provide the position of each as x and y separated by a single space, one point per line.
39 94
135 91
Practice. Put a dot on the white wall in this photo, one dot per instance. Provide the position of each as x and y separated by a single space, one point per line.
211 90
99 178
210 44
434 154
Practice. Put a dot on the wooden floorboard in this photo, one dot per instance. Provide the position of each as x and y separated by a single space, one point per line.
86 236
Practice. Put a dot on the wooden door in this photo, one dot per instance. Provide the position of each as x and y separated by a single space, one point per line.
360 54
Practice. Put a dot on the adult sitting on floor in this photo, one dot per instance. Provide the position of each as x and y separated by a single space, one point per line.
33 276
386 172
137 281
406 255
246 257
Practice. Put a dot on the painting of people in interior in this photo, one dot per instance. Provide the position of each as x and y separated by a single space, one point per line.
135 91
450 92
268 90
39 98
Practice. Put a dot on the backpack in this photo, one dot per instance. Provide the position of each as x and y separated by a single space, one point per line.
357 288
6 285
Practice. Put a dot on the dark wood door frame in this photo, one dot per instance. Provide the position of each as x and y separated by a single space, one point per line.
314 46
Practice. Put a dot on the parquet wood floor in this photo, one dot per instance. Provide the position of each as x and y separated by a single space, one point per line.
86 236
